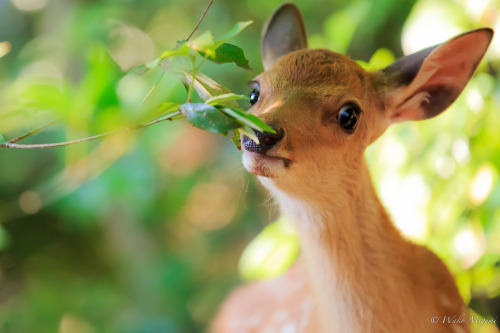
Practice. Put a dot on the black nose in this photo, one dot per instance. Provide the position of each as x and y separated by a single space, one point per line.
267 140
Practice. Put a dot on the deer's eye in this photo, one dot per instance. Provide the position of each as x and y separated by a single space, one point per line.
254 96
348 117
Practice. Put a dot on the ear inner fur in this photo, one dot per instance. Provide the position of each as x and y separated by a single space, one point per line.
424 84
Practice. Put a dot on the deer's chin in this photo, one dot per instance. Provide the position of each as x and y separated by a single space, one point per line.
264 165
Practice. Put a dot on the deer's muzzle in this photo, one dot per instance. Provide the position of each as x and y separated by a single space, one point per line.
267 140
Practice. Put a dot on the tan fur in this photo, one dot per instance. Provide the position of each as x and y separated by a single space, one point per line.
357 273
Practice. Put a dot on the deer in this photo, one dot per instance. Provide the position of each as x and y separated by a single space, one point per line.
356 273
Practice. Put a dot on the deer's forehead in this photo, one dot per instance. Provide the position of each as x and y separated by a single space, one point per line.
317 68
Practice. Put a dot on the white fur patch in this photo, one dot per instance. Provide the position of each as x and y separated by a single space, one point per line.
262 165
276 104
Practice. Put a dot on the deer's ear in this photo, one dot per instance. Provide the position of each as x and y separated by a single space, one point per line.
424 84
284 32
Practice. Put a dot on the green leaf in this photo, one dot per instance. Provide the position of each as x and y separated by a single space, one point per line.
233 32
206 87
166 107
2 139
227 53
204 43
182 50
208 117
140 70
248 120
224 98
247 131
236 139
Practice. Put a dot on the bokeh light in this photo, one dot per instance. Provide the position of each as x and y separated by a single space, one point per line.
30 5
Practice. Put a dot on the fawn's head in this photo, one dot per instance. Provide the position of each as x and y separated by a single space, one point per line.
326 109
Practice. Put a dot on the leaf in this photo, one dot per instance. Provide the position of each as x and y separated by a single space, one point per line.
227 53
224 98
208 117
234 31
2 139
206 87
182 50
204 43
140 70
166 107
248 120
236 139
247 131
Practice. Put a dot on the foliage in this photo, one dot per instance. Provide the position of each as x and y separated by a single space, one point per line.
140 91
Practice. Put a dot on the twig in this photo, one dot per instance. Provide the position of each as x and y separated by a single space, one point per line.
19 138
201 19
10 144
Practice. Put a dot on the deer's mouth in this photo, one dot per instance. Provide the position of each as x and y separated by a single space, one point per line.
265 165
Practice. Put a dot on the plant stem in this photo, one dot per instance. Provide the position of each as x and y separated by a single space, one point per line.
201 19
19 138
191 85
10 144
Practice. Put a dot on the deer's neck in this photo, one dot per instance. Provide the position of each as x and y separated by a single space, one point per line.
352 251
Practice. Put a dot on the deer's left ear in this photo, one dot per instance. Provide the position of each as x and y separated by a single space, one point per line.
283 33
424 84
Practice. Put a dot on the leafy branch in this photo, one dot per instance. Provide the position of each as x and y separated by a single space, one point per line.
219 113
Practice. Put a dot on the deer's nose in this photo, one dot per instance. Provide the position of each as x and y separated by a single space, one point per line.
267 140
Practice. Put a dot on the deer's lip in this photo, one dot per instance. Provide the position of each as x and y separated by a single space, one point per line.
271 157
270 166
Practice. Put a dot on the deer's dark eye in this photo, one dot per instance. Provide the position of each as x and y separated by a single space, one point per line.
348 117
254 96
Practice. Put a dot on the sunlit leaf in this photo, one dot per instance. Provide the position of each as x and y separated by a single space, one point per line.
248 120
208 117
2 139
221 99
204 43
206 87
139 70
182 50
166 107
247 131
227 53
238 27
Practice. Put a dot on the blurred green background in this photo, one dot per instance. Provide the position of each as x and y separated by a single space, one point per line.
143 232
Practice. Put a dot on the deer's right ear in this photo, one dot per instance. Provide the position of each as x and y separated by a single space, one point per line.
424 84
284 32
